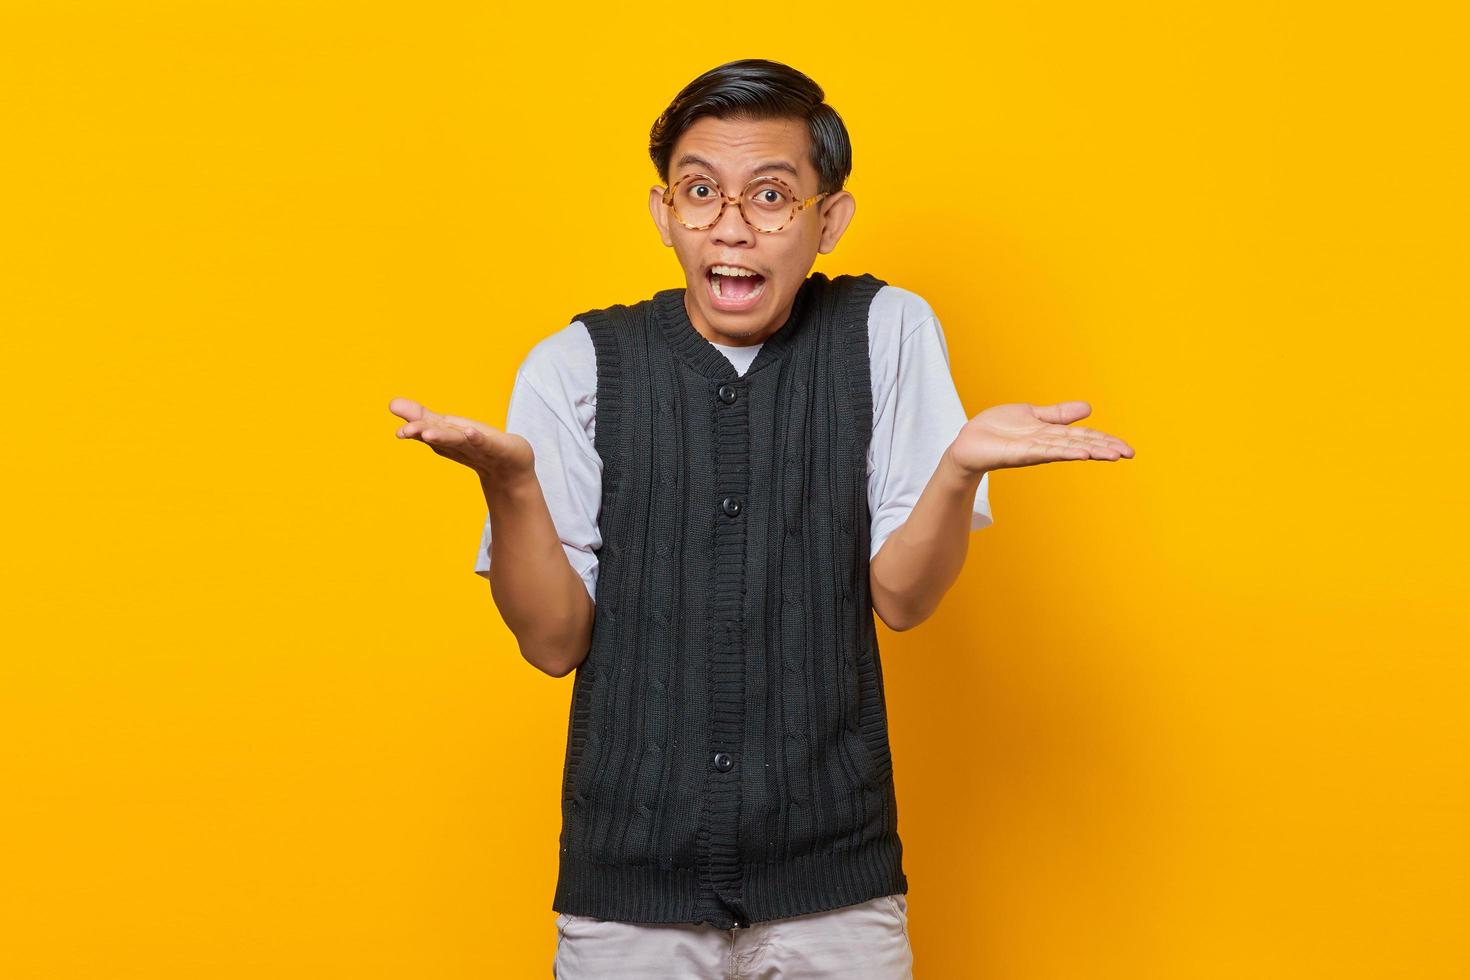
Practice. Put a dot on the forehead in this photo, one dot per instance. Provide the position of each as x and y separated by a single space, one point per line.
736 148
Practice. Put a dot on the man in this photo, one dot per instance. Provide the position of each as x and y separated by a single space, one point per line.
698 502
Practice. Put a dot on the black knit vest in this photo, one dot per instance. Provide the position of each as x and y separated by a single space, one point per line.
727 751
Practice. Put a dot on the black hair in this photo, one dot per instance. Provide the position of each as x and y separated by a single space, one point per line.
754 88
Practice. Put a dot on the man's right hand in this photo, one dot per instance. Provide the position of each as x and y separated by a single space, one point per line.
540 595
490 452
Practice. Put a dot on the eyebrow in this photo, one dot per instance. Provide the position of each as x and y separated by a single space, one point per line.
689 158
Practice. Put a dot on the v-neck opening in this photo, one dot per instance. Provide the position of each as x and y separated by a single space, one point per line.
705 357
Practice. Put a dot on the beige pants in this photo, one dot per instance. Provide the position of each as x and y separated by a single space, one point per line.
867 941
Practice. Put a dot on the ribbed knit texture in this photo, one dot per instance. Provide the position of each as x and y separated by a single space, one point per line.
733 616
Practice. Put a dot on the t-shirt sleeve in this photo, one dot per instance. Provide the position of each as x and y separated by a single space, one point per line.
552 404
917 413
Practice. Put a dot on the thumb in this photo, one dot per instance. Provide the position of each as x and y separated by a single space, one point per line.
1062 413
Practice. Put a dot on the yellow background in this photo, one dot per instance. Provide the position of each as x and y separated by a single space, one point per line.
1197 714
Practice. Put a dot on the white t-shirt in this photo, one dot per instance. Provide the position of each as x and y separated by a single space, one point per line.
916 415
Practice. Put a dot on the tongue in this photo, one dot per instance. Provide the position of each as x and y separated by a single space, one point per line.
738 287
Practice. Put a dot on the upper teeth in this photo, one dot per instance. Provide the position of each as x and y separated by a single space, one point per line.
731 270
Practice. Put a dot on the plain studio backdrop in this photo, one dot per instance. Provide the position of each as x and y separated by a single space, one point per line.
1197 714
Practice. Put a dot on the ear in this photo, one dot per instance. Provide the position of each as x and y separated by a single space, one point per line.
660 213
836 216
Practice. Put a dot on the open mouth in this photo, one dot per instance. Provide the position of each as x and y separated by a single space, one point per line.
734 287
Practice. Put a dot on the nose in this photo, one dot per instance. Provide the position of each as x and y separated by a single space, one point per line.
731 229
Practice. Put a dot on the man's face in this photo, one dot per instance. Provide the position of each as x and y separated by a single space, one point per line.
733 151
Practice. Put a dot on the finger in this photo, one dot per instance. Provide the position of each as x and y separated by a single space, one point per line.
452 443
1090 437
415 412
1083 448
406 408
1095 439
1062 413
430 420
1102 447
448 436
444 447
1051 450
1112 441
469 425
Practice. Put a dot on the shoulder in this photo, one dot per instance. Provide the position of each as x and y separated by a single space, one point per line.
898 310
561 369
569 341
559 358
895 315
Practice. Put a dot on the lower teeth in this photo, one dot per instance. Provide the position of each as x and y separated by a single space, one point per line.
743 299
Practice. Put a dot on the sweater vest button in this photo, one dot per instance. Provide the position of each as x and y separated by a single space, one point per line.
727 394
731 505
723 761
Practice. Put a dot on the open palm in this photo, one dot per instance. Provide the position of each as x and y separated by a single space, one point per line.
1022 434
483 448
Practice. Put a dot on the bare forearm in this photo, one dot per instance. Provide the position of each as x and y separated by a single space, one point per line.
539 594
921 560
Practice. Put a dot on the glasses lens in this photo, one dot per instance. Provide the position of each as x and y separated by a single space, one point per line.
768 204
696 201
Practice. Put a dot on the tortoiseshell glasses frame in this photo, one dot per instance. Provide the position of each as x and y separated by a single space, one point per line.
798 204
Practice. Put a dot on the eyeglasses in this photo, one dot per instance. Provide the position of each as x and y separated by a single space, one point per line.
767 204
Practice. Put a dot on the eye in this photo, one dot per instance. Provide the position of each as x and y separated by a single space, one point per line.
770 197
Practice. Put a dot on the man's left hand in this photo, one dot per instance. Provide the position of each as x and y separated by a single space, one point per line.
1022 434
